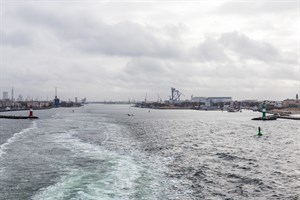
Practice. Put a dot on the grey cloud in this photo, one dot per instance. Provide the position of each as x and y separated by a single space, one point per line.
176 30
238 45
210 50
291 57
16 39
145 67
282 72
41 17
105 55
248 48
88 35
129 39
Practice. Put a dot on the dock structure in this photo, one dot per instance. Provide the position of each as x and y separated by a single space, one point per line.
288 117
30 116
17 117
266 118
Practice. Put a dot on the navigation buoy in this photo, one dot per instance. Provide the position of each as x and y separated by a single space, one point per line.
30 112
259 132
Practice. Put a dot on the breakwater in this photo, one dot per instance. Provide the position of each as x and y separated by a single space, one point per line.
17 117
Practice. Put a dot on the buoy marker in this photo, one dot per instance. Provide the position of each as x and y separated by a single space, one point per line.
259 132
30 112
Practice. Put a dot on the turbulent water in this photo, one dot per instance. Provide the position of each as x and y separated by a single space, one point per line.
99 152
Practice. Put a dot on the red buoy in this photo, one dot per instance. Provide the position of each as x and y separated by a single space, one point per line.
31 112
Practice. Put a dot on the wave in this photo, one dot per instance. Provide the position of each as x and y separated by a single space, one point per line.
95 173
15 136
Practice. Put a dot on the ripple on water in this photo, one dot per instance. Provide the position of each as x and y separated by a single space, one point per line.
158 155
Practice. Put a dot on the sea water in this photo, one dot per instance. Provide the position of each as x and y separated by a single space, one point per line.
121 152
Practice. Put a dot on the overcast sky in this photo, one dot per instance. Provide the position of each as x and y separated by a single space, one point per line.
116 50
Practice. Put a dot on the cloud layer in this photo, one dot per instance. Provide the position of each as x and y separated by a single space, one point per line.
116 51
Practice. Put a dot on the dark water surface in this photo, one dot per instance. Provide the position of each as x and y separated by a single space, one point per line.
99 152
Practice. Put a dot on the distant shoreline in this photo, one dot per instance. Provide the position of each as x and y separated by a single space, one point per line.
12 110
285 111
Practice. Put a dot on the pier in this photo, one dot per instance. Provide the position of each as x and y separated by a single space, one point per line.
17 117
30 116
289 117
266 118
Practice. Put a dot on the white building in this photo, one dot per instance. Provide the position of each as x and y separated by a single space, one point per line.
220 99
198 99
5 95
20 98
209 101
278 104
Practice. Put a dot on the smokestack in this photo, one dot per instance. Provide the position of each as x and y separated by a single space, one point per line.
12 94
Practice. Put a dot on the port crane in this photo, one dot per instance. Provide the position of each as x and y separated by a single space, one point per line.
175 95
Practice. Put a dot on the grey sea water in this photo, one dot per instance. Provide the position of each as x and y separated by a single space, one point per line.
99 152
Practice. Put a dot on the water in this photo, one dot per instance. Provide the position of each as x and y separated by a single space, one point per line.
99 152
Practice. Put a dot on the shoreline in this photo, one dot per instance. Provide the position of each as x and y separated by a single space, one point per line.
47 108
12 110
285 111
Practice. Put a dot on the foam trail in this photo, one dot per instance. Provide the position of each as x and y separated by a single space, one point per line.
106 175
4 146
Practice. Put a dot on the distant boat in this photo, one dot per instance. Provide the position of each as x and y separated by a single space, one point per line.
255 109
232 110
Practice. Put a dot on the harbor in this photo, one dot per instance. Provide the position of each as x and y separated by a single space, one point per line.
192 152
149 100
270 110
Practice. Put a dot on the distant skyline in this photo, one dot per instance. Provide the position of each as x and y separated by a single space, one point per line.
120 50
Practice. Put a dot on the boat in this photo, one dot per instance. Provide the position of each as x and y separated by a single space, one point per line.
230 109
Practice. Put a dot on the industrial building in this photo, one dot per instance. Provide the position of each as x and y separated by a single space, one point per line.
288 103
209 101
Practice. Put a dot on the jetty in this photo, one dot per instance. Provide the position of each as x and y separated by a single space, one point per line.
30 116
289 117
271 117
264 117
17 117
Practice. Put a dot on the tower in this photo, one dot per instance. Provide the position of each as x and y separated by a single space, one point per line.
264 110
56 100
55 92
175 95
12 94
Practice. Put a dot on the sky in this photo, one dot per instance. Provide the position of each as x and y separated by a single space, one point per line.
120 50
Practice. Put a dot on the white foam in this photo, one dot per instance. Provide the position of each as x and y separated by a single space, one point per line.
15 137
109 176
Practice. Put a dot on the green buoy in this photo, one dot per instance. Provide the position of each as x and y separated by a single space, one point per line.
259 132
